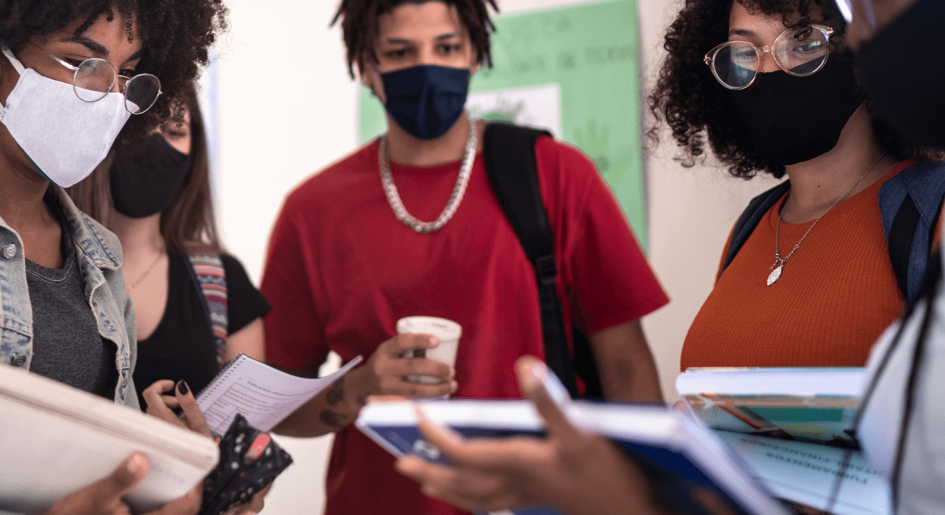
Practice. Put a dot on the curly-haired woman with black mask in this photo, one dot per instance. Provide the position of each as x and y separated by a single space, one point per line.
807 278
74 77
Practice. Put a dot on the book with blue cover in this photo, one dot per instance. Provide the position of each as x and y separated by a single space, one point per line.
689 465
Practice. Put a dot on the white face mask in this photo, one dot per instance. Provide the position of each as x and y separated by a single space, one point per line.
64 136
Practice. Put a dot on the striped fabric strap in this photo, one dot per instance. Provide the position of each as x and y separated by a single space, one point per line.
211 278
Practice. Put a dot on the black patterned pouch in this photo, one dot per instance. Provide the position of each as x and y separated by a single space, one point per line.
249 461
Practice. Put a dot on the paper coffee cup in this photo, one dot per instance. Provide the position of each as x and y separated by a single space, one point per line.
448 333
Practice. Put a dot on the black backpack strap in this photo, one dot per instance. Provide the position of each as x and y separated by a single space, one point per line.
750 218
509 153
900 242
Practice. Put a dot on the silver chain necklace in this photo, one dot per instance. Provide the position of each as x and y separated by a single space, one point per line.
778 267
393 198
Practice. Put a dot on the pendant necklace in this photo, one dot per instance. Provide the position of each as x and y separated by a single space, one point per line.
778 267
393 197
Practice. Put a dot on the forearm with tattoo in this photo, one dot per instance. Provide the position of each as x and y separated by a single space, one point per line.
335 395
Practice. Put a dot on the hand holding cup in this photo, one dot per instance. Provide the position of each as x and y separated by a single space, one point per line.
388 368
445 331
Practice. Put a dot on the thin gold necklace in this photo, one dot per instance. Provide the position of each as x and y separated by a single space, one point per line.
146 272
778 267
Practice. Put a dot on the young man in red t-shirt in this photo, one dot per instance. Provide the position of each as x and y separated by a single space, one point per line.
347 258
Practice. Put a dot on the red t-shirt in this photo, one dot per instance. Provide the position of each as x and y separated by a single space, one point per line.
342 270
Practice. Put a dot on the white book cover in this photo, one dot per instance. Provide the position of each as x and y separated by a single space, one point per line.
55 439
839 481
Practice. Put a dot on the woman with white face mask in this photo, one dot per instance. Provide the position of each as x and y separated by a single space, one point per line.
72 75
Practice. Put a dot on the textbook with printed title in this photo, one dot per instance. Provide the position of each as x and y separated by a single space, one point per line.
795 429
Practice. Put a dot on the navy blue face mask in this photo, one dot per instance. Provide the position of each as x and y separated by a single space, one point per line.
426 100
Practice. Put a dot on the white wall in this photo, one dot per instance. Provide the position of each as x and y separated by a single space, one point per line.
287 108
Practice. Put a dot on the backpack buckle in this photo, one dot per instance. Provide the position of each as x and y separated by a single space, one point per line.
547 270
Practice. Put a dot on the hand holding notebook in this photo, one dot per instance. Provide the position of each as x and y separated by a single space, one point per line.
570 469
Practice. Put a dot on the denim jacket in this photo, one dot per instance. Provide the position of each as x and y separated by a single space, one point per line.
99 261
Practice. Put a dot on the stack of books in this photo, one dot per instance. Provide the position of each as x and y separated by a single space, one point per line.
795 429
755 439
691 466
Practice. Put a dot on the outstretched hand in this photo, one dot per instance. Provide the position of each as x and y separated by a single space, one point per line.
574 471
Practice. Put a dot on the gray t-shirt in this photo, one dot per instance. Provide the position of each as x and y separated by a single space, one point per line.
67 346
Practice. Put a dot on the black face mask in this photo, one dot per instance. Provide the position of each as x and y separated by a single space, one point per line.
795 119
146 182
903 70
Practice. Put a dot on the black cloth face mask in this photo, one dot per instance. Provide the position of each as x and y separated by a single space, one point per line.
145 182
903 70
795 119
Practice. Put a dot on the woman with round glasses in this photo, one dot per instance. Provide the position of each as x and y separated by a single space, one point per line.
807 277
75 76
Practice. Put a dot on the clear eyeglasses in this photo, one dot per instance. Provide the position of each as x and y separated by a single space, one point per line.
799 52
94 78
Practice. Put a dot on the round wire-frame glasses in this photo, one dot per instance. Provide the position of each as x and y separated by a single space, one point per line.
94 78
736 64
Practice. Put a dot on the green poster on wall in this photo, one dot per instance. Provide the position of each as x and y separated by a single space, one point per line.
573 70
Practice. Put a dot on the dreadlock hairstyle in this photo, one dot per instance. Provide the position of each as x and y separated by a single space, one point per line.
175 37
697 108
359 25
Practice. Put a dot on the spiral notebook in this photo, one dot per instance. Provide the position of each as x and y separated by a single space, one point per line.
259 392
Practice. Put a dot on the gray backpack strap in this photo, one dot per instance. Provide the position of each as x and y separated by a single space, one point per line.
910 204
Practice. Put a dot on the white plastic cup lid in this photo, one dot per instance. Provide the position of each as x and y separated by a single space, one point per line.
440 327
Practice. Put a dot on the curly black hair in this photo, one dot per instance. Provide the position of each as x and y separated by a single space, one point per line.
175 37
696 107
359 25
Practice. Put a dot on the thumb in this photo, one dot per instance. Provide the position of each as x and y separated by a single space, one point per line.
123 478
104 495
548 395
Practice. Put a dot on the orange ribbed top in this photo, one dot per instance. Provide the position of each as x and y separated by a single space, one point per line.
836 294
